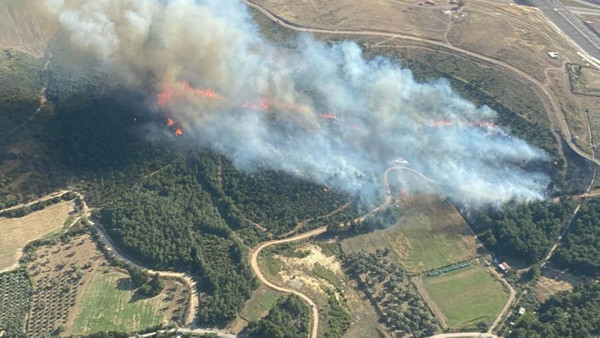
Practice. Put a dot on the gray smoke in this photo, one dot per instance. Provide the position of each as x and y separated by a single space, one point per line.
332 117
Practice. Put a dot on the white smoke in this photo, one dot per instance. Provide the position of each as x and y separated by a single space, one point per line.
381 112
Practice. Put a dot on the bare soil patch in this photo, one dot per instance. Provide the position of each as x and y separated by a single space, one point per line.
553 281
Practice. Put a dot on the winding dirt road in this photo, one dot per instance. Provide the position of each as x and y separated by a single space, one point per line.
254 254
183 277
255 268
550 102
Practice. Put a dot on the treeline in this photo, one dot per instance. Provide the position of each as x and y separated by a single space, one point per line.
523 231
378 220
580 251
289 318
338 320
566 314
26 210
276 200
169 221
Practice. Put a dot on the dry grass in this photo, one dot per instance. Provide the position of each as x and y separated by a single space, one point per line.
313 275
553 281
22 27
430 234
519 35
380 15
64 294
17 232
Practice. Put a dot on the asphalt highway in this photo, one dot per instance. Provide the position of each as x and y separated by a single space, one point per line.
570 25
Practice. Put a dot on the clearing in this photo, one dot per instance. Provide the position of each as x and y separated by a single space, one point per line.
467 296
67 271
429 234
314 269
17 232
110 303
258 306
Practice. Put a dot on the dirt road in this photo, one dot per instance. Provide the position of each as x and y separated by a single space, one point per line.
550 102
253 258
511 298
41 199
183 277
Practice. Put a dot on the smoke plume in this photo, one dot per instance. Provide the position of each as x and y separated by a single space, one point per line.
318 111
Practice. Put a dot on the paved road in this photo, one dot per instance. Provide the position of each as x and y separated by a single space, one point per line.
584 11
570 25
549 101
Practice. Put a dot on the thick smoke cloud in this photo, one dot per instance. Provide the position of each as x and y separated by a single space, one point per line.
332 116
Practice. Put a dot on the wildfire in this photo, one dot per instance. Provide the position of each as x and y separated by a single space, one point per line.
168 93
329 116
176 129
440 123
264 105
446 123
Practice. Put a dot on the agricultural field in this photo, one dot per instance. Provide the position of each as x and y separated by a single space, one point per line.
468 297
429 234
15 297
110 303
64 273
391 292
16 232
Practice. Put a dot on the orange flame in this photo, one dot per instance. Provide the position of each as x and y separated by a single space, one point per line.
329 116
170 122
178 131
168 93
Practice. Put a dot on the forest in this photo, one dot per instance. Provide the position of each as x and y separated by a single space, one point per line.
566 314
523 231
289 318
580 251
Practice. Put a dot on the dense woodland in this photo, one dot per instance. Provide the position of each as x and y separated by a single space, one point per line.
580 251
566 314
288 319
198 212
523 231
169 221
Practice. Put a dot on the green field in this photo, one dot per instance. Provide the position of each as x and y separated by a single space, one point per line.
110 304
260 303
467 296
430 234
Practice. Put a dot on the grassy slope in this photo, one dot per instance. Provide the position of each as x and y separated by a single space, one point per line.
430 234
260 303
109 304
467 296
16 232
